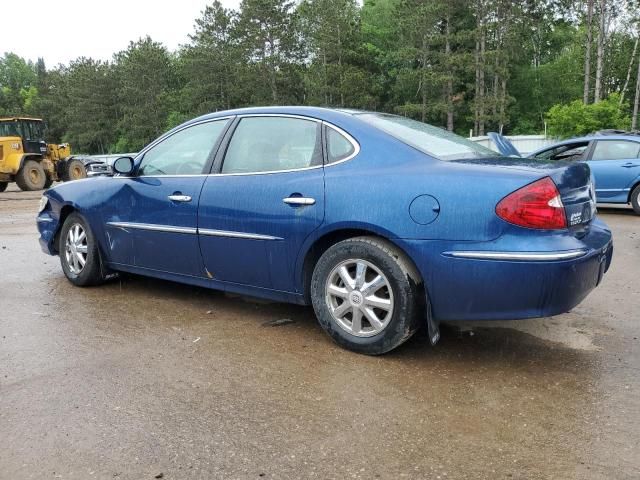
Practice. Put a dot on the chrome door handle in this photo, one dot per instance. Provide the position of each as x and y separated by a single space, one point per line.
629 165
299 201
180 198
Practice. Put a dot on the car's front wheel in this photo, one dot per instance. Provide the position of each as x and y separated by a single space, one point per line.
635 200
79 254
367 295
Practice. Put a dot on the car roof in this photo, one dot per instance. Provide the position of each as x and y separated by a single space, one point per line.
321 113
596 136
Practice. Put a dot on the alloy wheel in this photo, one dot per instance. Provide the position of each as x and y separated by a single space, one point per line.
76 248
359 297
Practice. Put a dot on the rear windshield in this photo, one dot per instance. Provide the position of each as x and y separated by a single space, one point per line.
431 140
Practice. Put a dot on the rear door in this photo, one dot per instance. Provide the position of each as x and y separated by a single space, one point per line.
266 198
615 164
155 213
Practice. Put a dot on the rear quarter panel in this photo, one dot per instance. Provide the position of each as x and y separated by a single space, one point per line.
375 190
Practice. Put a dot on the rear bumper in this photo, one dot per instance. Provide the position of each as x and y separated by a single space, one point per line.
476 284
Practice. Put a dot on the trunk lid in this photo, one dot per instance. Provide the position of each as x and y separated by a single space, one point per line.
504 145
575 185
573 180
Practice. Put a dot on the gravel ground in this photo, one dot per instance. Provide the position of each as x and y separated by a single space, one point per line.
143 379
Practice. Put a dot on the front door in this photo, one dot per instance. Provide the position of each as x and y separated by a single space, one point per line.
615 165
267 198
157 207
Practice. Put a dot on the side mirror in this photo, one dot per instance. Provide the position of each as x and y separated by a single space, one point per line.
123 165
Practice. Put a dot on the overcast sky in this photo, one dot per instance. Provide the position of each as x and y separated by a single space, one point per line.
62 30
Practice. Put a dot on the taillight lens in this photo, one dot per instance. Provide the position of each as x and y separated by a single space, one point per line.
537 205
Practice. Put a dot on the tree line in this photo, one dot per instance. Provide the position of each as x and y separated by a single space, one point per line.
468 66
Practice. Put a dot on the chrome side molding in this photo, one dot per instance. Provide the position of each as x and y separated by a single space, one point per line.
226 233
153 227
190 230
518 256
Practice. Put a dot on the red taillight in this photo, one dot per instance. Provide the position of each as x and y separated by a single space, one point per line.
537 205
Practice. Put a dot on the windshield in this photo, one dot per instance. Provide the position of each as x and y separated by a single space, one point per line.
9 129
431 140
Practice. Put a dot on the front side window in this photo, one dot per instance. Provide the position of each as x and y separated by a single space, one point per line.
269 144
184 153
433 141
615 150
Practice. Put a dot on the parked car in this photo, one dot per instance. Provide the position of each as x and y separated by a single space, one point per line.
97 165
380 222
613 155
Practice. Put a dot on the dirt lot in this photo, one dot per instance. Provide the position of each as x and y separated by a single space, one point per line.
141 378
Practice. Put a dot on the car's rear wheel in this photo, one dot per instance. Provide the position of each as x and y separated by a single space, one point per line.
31 176
635 200
78 252
3 186
367 295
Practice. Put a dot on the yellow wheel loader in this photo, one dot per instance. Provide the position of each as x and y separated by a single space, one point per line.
25 158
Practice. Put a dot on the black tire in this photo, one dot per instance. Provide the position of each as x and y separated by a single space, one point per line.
73 169
3 186
31 176
48 182
635 200
407 294
91 273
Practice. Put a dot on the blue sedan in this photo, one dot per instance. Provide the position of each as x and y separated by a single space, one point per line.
382 223
614 158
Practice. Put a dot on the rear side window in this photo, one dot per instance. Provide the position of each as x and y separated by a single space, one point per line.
338 146
431 140
569 152
615 150
271 144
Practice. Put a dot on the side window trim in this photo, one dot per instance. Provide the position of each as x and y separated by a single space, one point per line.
589 151
224 146
216 166
139 158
